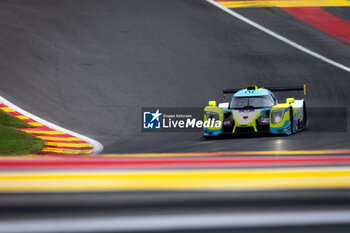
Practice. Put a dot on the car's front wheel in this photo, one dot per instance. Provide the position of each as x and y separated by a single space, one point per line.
291 121
305 120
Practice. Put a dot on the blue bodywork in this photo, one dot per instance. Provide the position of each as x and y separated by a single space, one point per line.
257 92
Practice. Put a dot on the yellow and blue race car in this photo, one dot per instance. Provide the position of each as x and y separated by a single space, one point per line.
256 110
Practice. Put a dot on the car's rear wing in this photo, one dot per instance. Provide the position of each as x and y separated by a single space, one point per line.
292 88
273 89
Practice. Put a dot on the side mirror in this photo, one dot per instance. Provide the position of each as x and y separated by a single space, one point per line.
290 100
212 103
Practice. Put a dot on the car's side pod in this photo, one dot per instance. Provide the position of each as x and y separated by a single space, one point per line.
281 118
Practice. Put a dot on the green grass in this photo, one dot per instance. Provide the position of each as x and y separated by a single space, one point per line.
8 120
16 142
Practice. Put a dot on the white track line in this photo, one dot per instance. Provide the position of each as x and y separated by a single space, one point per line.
277 36
163 223
97 147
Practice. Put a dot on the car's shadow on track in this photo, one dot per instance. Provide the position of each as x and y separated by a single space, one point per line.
240 136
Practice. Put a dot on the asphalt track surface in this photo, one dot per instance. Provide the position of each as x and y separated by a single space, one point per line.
90 66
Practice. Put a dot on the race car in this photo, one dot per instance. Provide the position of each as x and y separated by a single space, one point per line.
255 110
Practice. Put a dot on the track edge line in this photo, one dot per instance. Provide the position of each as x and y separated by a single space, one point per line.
279 37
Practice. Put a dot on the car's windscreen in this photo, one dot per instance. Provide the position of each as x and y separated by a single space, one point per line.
251 102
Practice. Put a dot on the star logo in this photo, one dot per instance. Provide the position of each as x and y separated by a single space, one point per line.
151 120
156 115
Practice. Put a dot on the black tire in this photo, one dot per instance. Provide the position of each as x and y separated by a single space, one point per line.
291 120
305 120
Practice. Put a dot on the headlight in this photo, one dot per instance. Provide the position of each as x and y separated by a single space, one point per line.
212 116
277 116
